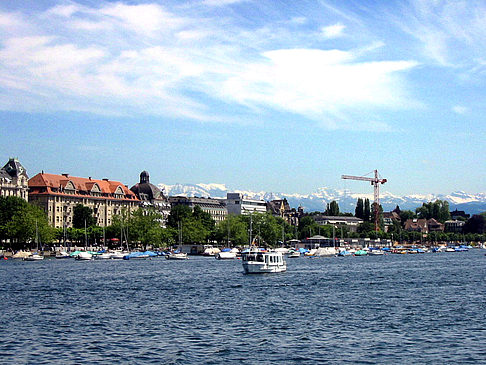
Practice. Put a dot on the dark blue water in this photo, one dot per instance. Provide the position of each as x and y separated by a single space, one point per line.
427 308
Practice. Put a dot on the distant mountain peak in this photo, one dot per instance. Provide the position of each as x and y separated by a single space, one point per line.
317 201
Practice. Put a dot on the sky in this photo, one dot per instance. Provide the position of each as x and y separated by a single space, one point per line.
267 95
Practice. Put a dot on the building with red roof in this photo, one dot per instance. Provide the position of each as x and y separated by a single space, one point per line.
59 194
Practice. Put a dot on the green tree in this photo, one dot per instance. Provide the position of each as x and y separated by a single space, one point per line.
366 210
83 216
359 210
332 209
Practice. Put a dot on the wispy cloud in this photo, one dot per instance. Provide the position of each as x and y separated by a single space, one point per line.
459 109
126 59
333 31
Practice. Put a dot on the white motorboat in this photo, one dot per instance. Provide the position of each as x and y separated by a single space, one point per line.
62 255
294 254
256 261
176 256
104 256
84 256
34 257
117 255
376 252
226 254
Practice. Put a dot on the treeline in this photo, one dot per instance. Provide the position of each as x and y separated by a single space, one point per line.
23 225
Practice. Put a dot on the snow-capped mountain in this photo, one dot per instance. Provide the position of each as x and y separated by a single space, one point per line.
471 203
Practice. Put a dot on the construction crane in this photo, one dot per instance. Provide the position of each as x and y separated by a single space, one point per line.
375 181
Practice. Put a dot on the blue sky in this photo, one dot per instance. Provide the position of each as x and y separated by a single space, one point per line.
282 96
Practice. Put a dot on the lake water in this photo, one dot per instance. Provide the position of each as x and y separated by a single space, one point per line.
427 308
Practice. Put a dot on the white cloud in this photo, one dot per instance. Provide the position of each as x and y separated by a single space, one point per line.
131 59
459 109
333 31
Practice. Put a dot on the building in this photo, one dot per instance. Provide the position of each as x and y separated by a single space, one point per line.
59 194
215 207
459 214
281 208
351 223
416 225
455 226
151 196
237 203
434 226
14 180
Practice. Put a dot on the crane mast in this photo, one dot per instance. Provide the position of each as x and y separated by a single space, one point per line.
375 181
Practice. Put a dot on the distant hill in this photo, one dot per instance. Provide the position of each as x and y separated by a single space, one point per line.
470 203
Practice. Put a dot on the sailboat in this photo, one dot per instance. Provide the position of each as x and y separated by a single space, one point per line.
35 256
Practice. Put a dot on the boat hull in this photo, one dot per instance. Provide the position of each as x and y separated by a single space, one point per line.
260 268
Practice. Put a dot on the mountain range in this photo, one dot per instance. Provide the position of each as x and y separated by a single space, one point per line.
316 201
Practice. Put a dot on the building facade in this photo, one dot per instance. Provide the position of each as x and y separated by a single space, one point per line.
214 207
59 194
237 203
14 180
351 223
281 208
151 196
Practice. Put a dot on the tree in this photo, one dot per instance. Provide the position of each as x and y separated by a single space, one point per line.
332 209
359 211
83 216
475 224
366 211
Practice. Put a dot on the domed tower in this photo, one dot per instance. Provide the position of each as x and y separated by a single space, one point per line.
14 179
151 196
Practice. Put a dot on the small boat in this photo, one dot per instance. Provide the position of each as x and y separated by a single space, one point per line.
103 256
176 256
34 257
256 261
84 256
361 253
293 254
226 254
376 252
450 249
344 253
118 255
62 255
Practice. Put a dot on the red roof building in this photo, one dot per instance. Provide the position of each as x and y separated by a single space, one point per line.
58 194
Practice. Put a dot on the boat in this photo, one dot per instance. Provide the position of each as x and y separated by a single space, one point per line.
361 253
293 254
83 255
62 255
176 256
226 254
34 257
344 253
211 251
450 249
103 256
256 261
118 255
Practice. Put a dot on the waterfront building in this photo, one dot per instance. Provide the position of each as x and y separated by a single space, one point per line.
151 197
281 208
59 194
434 226
351 223
237 203
14 180
215 207
455 226
416 225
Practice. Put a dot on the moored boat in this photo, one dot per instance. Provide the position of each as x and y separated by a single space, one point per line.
84 256
226 254
34 257
176 256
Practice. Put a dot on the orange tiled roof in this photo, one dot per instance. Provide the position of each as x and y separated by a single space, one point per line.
56 184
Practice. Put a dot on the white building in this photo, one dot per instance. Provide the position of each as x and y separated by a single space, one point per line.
237 203
14 180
